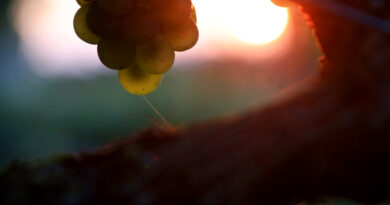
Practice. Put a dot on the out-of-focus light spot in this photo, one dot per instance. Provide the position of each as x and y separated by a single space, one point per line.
48 40
256 21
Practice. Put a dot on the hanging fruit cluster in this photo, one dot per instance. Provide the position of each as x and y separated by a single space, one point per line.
137 37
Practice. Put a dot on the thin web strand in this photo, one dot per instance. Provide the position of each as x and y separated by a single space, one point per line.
165 121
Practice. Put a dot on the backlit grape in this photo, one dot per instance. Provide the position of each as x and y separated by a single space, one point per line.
116 7
135 81
141 26
84 2
147 4
104 25
81 28
171 11
115 54
155 57
183 35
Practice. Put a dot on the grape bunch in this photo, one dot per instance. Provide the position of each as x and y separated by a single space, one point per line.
137 37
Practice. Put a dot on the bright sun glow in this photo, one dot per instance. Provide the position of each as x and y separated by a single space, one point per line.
255 21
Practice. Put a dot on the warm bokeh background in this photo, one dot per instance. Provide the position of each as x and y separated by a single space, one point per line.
56 97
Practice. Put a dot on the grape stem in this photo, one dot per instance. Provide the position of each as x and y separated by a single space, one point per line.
349 13
163 119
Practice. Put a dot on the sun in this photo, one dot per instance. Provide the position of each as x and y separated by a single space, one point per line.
255 21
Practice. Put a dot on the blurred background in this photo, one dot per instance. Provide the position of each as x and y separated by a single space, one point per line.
56 97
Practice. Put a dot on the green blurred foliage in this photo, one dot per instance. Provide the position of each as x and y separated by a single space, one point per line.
45 116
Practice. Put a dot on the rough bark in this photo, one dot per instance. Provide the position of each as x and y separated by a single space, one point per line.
331 140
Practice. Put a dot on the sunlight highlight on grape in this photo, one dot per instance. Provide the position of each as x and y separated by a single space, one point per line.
183 36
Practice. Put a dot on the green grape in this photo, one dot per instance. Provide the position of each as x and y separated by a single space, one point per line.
84 2
193 14
141 26
155 57
135 81
116 7
183 35
82 29
283 3
104 25
172 11
115 54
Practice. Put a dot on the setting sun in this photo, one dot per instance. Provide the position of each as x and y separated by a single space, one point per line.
255 21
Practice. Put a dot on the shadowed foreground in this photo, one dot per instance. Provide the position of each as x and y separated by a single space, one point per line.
331 140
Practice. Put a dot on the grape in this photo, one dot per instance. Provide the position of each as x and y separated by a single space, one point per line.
155 57
171 11
183 35
141 26
147 4
193 14
106 26
84 2
283 3
115 54
135 81
116 7
81 28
